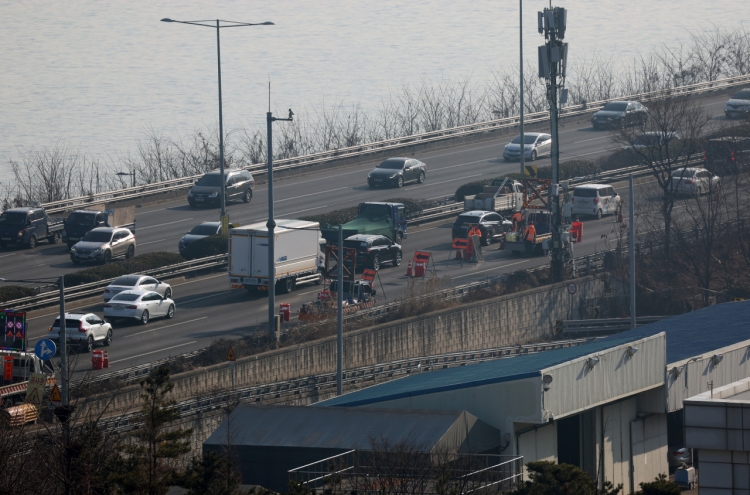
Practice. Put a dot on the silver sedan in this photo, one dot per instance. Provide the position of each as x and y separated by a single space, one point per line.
535 144
141 305
136 282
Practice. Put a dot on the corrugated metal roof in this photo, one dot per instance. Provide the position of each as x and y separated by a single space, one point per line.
474 375
332 428
699 332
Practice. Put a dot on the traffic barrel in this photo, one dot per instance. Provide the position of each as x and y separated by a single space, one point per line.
97 360
285 311
410 270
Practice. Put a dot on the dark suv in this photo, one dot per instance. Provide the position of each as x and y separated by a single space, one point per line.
373 250
725 155
491 225
206 191
617 114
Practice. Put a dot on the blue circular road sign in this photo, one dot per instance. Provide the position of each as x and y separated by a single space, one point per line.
45 349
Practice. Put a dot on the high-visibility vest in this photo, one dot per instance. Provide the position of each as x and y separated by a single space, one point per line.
530 233
475 231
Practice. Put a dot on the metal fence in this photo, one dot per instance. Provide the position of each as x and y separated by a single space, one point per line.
400 470
391 144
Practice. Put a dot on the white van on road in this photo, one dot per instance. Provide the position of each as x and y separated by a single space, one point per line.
594 199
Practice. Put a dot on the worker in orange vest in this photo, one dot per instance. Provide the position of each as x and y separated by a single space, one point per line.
517 220
529 236
475 231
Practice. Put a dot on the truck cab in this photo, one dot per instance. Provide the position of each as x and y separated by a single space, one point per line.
80 222
24 363
25 226
388 219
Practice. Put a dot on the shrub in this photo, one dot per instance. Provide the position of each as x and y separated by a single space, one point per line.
208 246
618 159
578 168
411 206
136 264
11 292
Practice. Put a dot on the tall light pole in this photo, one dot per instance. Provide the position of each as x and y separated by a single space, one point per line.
218 26
520 85
128 174
271 224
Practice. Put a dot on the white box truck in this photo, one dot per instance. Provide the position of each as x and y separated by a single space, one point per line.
298 251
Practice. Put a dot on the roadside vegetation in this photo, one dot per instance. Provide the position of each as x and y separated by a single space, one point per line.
59 170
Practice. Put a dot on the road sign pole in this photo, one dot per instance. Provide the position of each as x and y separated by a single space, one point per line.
63 345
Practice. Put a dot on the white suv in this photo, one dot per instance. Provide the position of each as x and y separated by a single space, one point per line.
594 199
82 330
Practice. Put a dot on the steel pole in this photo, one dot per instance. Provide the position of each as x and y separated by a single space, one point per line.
557 261
631 221
63 339
520 85
340 316
221 135
271 224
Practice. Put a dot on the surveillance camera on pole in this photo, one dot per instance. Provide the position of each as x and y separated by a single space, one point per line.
553 56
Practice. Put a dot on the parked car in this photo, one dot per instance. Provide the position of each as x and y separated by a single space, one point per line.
492 225
141 305
207 189
25 226
200 231
82 330
535 144
374 250
594 199
104 244
738 105
136 282
397 172
693 181
727 155
617 114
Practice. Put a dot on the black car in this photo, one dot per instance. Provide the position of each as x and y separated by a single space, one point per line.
397 172
200 231
207 190
616 114
492 225
738 105
373 250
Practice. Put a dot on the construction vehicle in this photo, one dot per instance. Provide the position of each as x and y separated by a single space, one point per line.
542 243
298 253
503 196
13 391
388 219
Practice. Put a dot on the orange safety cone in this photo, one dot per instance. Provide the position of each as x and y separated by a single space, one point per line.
410 270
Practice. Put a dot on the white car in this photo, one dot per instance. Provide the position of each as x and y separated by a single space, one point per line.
535 144
141 305
136 282
595 200
692 181
83 330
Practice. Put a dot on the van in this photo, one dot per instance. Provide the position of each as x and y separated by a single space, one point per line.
724 155
594 199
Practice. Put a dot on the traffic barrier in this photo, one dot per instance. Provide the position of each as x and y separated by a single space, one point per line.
410 270
369 275
462 248
576 229
97 360
324 295
421 259
285 311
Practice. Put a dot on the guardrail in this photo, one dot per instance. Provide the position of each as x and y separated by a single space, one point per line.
380 146
85 290
321 384
604 326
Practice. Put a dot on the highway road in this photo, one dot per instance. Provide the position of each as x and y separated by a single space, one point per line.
207 309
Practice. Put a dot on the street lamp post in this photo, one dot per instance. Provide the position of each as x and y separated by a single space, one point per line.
271 224
218 26
130 174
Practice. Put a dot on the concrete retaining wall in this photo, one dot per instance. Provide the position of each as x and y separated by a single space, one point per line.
519 318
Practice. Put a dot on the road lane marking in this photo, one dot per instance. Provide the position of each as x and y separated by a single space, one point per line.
200 279
150 242
6 255
491 269
202 298
311 194
592 139
162 328
153 352
163 224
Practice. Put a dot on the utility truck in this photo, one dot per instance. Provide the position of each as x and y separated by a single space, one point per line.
298 253
388 219
13 390
503 196
542 243
25 226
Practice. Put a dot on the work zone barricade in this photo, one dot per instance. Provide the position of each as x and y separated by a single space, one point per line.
99 360
421 260
369 275
461 247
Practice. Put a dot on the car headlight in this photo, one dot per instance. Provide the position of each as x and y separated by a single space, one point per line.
213 194
97 250
72 249
20 233
394 176
190 193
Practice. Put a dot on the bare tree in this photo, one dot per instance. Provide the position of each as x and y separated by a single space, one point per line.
667 142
